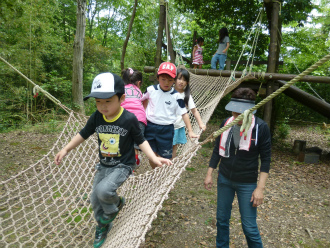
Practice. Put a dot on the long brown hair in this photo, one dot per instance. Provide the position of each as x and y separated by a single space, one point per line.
222 34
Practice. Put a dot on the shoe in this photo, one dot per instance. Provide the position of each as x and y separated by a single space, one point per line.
106 219
101 233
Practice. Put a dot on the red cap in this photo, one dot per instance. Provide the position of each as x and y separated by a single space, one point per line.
167 68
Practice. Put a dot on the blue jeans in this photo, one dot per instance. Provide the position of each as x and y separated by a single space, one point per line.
226 193
104 198
218 57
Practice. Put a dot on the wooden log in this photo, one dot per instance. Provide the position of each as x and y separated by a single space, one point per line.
272 59
238 74
299 146
308 100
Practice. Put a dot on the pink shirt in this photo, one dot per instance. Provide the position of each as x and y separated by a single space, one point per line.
133 102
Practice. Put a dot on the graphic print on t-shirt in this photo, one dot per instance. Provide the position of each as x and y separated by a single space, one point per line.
131 92
109 146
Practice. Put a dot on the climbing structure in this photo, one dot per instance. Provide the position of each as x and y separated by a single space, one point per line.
48 206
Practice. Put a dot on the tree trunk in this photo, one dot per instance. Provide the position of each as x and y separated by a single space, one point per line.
272 58
169 41
159 40
104 41
91 12
122 60
78 48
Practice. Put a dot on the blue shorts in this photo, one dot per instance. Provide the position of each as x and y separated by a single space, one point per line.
160 138
180 136
142 127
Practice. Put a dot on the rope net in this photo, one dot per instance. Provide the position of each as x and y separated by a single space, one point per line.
48 205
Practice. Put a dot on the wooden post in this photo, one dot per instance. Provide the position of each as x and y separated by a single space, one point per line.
78 50
228 64
299 146
159 40
169 40
272 59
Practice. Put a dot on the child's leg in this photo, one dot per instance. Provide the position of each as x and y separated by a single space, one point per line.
200 66
195 66
97 208
175 148
101 233
179 138
104 198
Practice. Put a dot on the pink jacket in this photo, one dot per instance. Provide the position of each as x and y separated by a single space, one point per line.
133 103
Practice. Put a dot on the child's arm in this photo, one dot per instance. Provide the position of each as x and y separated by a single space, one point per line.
186 120
145 103
224 51
145 147
76 141
198 118
145 99
193 53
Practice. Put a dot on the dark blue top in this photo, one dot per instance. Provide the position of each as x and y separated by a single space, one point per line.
242 166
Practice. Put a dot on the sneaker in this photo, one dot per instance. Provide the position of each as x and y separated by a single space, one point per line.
106 219
101 234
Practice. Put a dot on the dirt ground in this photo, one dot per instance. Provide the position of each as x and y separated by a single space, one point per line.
295 213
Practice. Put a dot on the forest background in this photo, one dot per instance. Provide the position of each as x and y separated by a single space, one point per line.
36 36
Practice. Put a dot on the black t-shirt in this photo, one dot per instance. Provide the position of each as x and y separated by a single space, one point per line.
115 138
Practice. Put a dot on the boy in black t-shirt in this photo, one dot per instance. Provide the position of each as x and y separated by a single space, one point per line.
117 130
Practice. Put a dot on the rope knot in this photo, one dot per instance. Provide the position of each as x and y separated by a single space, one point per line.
36 90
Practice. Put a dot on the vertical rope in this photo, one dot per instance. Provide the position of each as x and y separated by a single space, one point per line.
247 40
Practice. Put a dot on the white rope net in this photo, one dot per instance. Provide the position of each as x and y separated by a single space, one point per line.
48 205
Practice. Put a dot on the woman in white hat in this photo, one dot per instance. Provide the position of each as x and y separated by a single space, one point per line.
238 170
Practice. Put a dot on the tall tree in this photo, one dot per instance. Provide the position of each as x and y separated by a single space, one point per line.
161 26
168 36
78 47
122 60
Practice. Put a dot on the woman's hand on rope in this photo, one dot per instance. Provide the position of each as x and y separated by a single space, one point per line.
59 156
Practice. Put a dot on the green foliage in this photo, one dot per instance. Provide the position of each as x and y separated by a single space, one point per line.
37 38
283 129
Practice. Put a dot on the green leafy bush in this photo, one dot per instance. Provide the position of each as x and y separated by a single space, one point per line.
283 129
